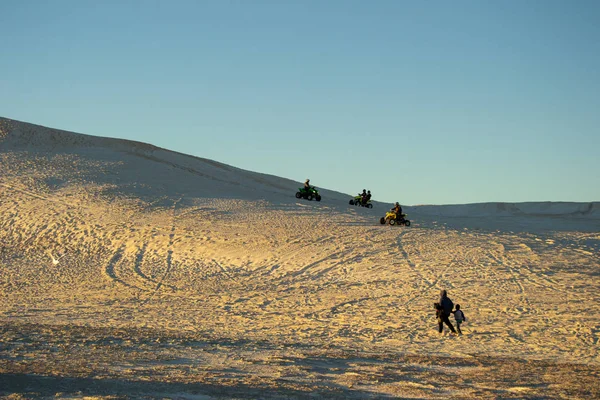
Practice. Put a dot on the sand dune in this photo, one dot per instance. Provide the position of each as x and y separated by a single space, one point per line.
133 270
544 209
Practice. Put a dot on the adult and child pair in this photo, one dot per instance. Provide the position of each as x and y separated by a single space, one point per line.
444 308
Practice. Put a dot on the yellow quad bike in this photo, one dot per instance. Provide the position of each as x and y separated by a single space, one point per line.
392 219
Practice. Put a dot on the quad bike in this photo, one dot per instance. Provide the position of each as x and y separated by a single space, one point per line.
357 201
308 194
392 219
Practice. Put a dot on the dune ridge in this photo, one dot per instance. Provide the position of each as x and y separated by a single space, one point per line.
538 208
22 136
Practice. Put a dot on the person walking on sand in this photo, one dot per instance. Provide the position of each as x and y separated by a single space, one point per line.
446 307
459 317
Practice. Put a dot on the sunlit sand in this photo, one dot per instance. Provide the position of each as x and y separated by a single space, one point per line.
129 270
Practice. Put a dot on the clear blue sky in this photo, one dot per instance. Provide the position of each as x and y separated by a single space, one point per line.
420 102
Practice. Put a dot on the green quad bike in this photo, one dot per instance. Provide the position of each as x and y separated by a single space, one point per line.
308 194
357 201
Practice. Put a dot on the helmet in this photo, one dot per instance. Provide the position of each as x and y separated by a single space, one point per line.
368 191
397 204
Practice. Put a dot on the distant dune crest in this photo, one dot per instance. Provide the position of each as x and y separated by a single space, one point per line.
170 173
545 209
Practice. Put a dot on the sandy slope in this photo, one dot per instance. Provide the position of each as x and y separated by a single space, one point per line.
129 269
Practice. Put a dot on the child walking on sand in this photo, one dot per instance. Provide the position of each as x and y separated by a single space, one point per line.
459 316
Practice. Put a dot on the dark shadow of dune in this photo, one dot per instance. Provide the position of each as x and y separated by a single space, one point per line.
41 361
39 386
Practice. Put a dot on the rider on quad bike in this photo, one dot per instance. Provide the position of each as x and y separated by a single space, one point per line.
363 197
395 216
367 198
308 192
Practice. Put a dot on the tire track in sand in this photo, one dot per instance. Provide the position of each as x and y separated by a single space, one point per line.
169 254
137 269
111 268
427 283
